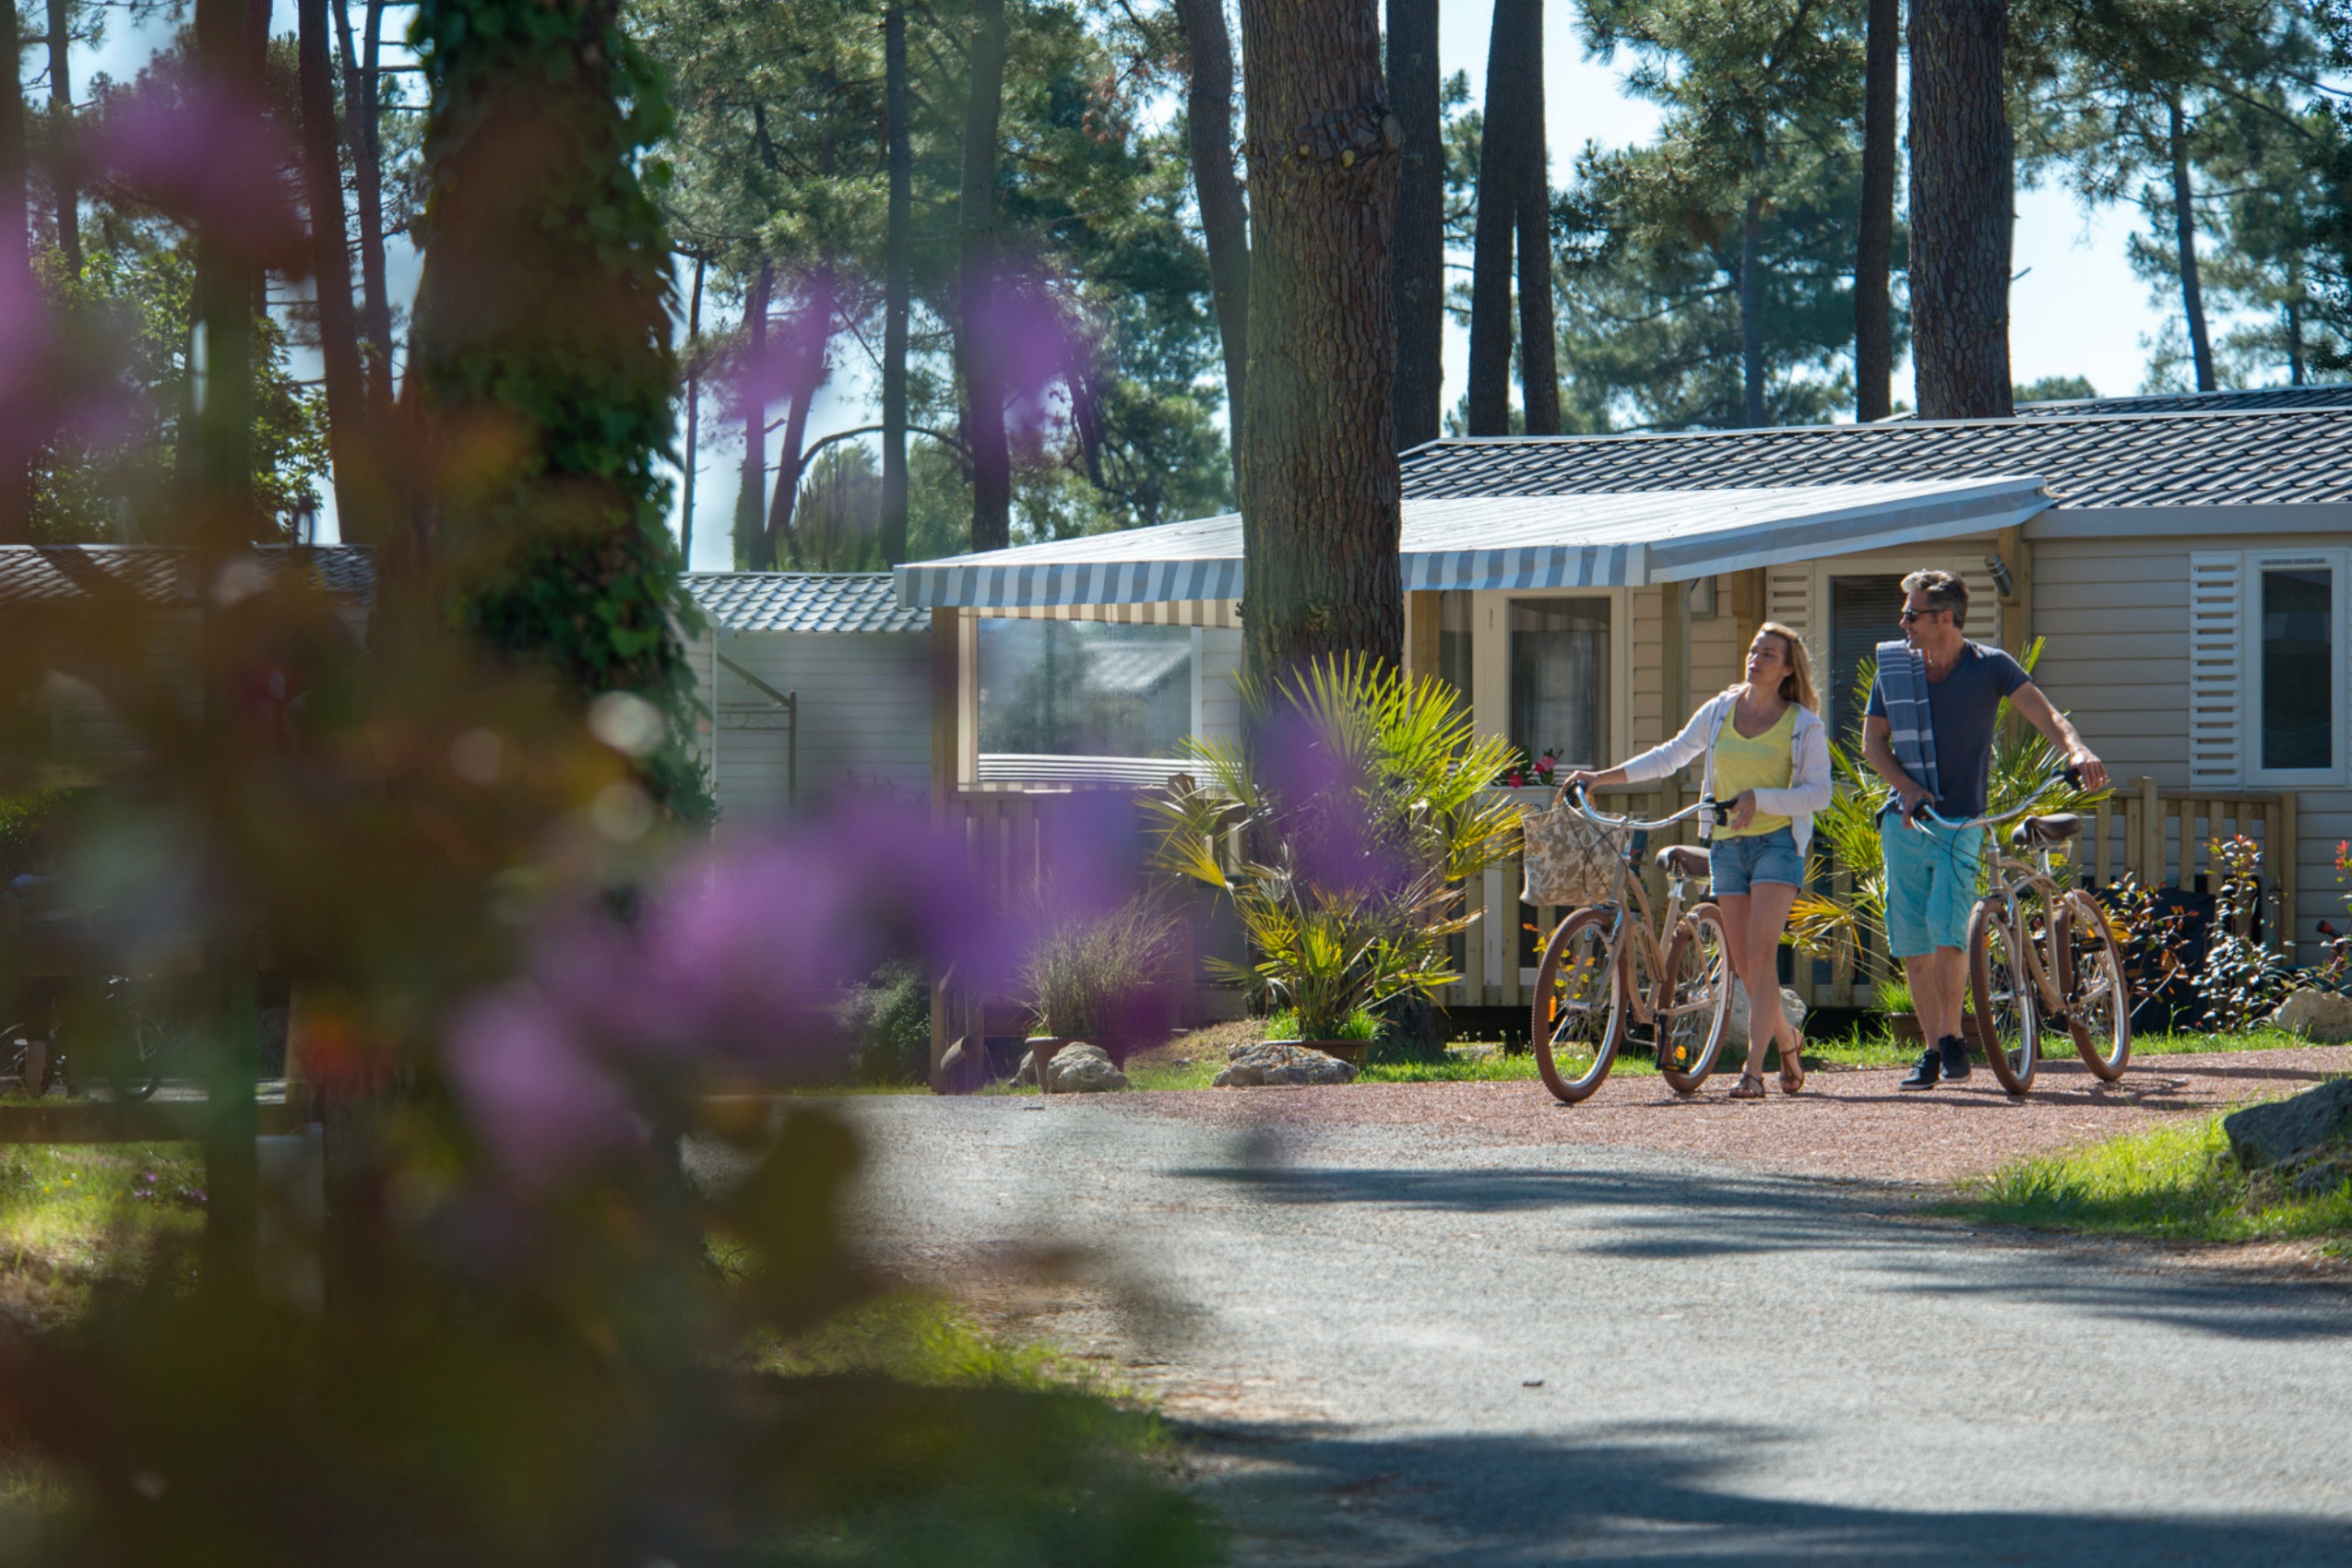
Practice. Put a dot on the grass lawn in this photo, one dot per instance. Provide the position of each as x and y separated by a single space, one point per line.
68 1211
2177 1183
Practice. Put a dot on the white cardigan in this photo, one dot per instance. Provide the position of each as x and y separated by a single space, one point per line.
1808 777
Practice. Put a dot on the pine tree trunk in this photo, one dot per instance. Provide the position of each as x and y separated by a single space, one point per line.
976 345
2294 343
1501 140
747 500
1538 344
61 119
1752 365
693 419
1875 241
2184 230
1414 86
362 129
338 339
1319 478
15 280
781 544
1225 214
898 284
1963 204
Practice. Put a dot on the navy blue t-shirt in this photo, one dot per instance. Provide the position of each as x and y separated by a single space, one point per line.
1964 706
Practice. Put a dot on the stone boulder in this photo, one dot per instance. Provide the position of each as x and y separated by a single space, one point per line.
2308 1129
1076 1068
1735 1027
1280 1062
2325 1017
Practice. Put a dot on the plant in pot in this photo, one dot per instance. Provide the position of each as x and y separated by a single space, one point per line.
1101 979
1342 829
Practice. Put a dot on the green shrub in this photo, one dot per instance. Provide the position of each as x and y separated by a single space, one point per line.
1894 996
26 821
1358 1024
889 1020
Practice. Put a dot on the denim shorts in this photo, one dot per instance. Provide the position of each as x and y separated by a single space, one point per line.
1734 863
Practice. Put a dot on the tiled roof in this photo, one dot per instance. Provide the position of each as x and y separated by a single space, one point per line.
159 573
2337 396
2210 459
803 601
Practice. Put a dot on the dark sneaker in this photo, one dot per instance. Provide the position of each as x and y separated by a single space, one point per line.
1955 1058
1926 1073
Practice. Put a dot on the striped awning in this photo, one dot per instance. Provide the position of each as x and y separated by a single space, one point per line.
1628 539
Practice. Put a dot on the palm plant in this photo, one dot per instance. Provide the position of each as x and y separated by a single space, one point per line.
1342 829
1834 924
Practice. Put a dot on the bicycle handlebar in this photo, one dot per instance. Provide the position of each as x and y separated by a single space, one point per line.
1577 796
2073 776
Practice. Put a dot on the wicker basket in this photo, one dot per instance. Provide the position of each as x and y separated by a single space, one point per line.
1571 859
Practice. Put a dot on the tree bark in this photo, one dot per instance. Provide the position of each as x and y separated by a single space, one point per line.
1225 214
693 416
1414 88
16 278
780 543
2294 343
976 334
60 118
331 271
363 131
1319 478
898 284
2184 230
1501 140
1538 345
1963 208
1752 365
1875 241
747 500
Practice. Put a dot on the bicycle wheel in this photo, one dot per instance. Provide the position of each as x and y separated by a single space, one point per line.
137 1070
1694 999
2090 976
1579 1012
2001 987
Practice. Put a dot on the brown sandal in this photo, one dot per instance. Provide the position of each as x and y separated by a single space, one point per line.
1742 1089
1793 1059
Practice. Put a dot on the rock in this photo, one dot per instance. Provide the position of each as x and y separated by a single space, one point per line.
1080 1068
2291 1133
958 1069
1279 1061
1735 1027
2322 1016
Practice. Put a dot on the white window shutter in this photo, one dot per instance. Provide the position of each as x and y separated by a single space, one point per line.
2218 689
1788 599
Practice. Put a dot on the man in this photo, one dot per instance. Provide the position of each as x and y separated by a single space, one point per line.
1931 870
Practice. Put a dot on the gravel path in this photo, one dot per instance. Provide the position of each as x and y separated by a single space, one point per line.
1852 1124
1521 1338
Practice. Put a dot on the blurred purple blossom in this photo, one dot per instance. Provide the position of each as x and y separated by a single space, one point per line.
205 156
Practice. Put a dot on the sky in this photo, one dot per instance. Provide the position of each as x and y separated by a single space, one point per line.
2076 308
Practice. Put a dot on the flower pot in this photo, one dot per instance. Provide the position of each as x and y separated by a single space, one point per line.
1348 1051
1041 1049
1904 1027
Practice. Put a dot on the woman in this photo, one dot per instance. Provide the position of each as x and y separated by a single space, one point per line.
1767 755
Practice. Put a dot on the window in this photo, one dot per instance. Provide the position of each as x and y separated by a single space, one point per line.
1454 643
1084 688
2298 666
1560 678
1864 612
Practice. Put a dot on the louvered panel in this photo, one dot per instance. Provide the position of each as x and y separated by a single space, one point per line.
1788 599
2216 669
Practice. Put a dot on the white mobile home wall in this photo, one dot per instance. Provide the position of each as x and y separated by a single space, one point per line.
864 715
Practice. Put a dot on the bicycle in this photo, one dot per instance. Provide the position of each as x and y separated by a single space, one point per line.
2068 972
1589 985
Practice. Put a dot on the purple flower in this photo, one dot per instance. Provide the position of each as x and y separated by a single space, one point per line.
543 1105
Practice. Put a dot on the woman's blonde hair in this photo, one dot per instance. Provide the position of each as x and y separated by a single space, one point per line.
1797 686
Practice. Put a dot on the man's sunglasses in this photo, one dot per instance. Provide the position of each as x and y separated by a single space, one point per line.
1909 615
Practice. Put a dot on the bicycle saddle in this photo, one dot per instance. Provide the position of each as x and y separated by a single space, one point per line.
2055 828
1682 859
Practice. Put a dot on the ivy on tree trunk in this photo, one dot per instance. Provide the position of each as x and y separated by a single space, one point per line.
542 334
1319 478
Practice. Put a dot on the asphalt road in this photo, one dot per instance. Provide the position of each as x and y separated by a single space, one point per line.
1416 1348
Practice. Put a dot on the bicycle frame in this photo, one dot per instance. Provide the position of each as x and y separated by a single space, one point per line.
1628 897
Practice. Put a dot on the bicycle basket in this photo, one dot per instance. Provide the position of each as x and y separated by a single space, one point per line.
1571 859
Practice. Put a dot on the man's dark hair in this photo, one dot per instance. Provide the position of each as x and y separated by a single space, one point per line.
1943 591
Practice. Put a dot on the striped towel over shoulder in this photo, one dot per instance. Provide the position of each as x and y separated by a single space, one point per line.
1903 683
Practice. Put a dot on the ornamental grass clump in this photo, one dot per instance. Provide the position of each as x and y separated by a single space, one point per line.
1342 828
1103 979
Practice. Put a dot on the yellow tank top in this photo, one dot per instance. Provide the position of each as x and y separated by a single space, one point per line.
1761 763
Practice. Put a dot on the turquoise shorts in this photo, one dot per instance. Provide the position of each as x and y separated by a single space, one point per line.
1930 884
